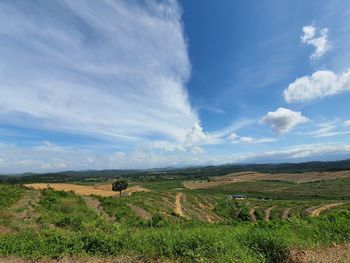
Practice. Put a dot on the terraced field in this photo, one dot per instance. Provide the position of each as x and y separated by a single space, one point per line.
160 212
174 202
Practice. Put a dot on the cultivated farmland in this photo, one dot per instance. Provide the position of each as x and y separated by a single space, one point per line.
282 217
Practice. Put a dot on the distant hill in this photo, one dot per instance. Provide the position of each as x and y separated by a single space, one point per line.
175 173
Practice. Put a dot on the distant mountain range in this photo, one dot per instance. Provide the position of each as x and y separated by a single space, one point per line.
173 173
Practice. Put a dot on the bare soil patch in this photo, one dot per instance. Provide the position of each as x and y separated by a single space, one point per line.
95 205
335 254
23 211
318 210
4 230
268 213
252 214
286 213
140 211
101 190
253 176
178 206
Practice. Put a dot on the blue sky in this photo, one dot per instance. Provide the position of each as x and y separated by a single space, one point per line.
142 84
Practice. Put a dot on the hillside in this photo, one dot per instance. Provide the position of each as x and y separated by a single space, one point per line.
178 173
288 217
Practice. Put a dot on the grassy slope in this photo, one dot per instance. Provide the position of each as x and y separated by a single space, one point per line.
69 227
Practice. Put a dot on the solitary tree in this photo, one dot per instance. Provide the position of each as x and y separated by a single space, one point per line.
119 186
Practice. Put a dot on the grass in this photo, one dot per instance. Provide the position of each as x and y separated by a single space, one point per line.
8 195
67 226
197 243
329 189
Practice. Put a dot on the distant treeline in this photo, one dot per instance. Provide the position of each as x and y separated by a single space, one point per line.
174 173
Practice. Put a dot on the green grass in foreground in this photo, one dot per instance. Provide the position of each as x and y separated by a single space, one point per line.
8 195
262 242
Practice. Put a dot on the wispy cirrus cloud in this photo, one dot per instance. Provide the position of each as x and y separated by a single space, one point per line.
109 68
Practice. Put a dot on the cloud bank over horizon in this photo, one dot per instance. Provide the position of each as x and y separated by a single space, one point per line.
139 84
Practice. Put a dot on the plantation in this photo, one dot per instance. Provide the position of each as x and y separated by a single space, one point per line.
168 222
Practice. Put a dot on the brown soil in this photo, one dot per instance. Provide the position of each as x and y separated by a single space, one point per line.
95 205
253 176
5 230
252 214
268 213
101 190
23 211
318 210
178 206
335 254
140 211
286 213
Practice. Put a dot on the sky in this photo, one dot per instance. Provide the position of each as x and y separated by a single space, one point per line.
120 84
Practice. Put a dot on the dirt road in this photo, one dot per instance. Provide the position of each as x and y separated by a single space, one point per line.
317 211
178 205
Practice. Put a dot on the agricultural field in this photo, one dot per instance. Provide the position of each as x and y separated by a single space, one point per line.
282 218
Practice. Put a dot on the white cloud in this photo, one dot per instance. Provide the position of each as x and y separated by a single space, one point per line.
318 39
329 129
297 152
194 136
232 137
347 123
107 68
320 84
284 120
246 139
3 163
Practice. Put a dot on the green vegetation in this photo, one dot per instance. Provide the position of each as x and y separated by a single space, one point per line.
9 195
201 243
328 189
119 186
205 172
211 227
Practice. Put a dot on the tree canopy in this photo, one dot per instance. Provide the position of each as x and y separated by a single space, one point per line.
119 186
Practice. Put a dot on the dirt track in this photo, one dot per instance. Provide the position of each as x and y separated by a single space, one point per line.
140 211
95 205
286 213
178 206
317 211
268 213
252 214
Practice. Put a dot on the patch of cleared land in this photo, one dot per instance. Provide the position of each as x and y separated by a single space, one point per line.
178 206
101 190
253 176
337 253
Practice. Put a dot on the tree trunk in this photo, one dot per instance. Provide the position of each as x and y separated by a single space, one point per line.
120 193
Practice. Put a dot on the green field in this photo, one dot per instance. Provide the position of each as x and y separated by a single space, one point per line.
277 218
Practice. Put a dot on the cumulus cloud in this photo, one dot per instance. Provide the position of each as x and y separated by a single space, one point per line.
108 68
284 120
317 38
320 84
194 136
347 123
